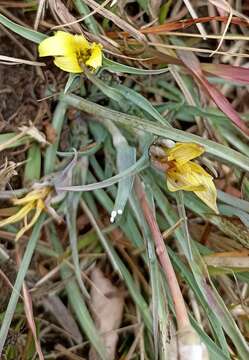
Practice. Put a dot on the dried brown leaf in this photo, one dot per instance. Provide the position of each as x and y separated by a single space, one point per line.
7 170
107 307
34 133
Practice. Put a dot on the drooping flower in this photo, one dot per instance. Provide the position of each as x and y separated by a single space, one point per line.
184 174
71 52
33 202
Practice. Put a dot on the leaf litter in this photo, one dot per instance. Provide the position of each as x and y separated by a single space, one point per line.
107 303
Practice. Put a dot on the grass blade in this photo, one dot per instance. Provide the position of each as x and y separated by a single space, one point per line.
9 313
76 301
220 151
26 33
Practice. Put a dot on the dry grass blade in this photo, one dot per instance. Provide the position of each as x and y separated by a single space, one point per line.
63 16
193 49
224 33
181 25
230 259
14 61
194 16
70 355
30 319
82 18
63 315
117 20
39 13
225 6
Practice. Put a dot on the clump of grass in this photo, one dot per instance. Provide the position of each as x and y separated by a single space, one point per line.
181 268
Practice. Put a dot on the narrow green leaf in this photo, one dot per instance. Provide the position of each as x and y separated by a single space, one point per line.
9 136
208 290
141 102
32 170
84 11
114 67
57 123
72 203
76 301
131 231
141 164
219 151
70 82
26 33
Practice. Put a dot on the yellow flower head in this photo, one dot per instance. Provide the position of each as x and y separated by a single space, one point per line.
34 201
71 52
184 174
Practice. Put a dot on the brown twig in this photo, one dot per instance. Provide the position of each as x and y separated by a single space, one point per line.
179 305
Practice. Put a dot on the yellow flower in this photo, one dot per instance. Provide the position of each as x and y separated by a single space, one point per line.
34 200
184 174
71 52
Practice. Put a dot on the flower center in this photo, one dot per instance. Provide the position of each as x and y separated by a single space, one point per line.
83 56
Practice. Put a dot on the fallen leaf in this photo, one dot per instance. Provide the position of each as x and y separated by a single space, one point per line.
107 307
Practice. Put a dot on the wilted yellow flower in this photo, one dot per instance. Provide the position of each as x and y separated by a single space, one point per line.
34 202
71 52
184 174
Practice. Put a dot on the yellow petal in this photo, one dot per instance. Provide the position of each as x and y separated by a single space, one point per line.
19 215
68 63
209 195
183 152
181 178
33 196
81 43
60 44
39 208
192 177
95 60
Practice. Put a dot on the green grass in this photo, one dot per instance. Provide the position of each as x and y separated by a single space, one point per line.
125 107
